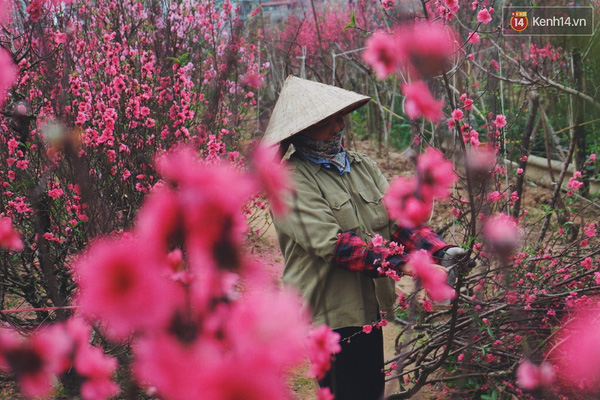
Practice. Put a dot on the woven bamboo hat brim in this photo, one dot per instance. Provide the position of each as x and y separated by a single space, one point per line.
303 103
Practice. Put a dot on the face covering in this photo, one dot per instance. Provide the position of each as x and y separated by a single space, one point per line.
330 149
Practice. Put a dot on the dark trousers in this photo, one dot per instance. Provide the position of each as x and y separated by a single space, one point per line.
356 373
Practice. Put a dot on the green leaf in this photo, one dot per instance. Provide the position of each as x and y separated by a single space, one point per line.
492 396
184 58
352 23
181 60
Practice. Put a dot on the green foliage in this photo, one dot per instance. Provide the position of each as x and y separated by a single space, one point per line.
352 23
400 135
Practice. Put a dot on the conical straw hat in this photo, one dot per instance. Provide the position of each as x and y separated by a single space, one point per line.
303 103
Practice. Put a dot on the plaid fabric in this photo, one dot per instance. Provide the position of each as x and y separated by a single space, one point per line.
422 237
352 253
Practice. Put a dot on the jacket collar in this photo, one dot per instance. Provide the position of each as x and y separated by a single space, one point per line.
314 167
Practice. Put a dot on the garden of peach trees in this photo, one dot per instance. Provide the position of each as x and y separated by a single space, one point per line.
134 187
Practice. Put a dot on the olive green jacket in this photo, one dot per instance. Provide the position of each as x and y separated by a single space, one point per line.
324 205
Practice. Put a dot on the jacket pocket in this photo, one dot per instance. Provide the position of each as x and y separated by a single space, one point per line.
373 212
343 210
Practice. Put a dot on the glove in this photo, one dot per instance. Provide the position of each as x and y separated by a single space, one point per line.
456 258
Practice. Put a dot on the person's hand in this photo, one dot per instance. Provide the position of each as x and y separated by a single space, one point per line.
456 258
453 256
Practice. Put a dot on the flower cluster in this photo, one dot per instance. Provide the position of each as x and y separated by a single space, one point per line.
502 234
574 184
92 102
531 376
322 343
218 314
409 200
187 246
9 238
53 350
422 50
432 279
385 249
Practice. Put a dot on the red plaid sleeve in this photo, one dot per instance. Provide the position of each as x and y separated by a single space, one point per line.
422 237
352 253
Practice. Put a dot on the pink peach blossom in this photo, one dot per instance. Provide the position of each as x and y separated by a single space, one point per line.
9 237
321 344
272 177
34 9
575 352
118 281
176 368
586 263
35 361
387 4
480 161
60 38
214 224
55 193
254 80
200 369
436 174
452 5
97 369
432 279
573 182
590 230
427 305
258 326
494 197
531 376
5 11
500 121
419 101
484 16
324 394
473 37
502 233
9 73
425 49
457 114
266 383
403 205
381 54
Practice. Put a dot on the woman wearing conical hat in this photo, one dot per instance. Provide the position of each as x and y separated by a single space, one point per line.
335 210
